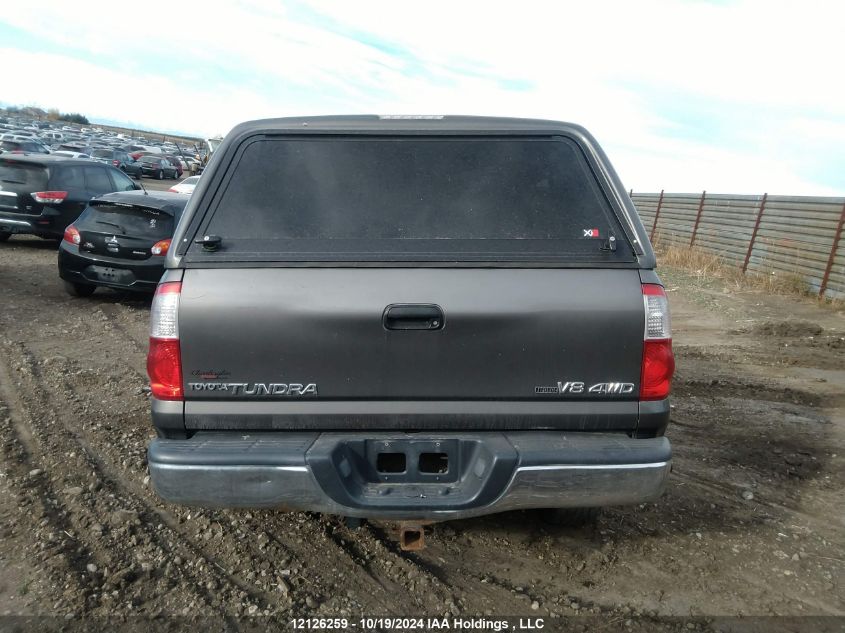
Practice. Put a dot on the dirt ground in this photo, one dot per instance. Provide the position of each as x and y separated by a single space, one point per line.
751 524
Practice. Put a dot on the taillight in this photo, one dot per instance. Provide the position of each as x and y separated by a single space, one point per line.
71 235
160 248
115 162
164 360
658 360
173 189
49 197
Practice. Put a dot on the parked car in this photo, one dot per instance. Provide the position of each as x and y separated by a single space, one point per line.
119 241
42 194
53 137
132 168
175 162
69 154
114 157
70 147
410 319
186 186
23 147
157 167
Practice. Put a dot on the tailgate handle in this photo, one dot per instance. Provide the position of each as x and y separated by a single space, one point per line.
413 316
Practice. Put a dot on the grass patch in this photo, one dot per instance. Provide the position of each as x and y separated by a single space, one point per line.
709 268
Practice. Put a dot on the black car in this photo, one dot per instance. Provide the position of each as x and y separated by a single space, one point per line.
120 242
42 194
156 166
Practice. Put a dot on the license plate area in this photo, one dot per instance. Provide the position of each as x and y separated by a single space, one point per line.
107 274
414 471
403 460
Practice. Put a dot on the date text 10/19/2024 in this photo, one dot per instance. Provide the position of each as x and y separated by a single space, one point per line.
418 624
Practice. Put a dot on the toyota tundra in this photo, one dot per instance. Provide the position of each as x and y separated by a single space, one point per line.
410 318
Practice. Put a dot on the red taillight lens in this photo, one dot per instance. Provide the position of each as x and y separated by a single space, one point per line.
115 162
164 361
658 364
160 248
657 370
164 367
72 235
49 197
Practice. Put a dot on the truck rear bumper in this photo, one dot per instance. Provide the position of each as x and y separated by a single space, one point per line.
409 476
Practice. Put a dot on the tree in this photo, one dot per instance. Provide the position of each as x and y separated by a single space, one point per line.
75 117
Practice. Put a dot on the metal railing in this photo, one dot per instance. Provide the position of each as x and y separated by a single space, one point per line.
765 234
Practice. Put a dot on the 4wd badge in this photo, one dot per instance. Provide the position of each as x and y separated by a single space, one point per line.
577 388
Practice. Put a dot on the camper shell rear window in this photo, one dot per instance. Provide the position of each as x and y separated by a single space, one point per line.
411 198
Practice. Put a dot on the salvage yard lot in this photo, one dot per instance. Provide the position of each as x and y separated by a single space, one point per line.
751 524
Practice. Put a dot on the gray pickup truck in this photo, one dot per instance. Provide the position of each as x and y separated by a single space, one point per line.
410 318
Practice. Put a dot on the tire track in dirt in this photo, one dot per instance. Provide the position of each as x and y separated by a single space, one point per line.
114 483
470 589
136 350
383 591
136 333
24 459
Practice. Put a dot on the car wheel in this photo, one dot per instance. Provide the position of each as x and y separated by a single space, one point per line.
570 517
4 236
79 290
160 174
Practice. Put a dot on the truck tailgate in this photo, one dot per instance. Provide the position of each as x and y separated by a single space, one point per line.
288 347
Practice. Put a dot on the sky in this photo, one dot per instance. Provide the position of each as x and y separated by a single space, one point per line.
728 96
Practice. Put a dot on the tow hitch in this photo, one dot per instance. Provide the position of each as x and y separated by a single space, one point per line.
411 536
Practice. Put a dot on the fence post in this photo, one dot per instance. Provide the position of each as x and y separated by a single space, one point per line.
833 249
754 232
656 216
697 218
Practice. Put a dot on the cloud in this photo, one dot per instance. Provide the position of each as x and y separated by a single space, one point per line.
683 95
149 100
